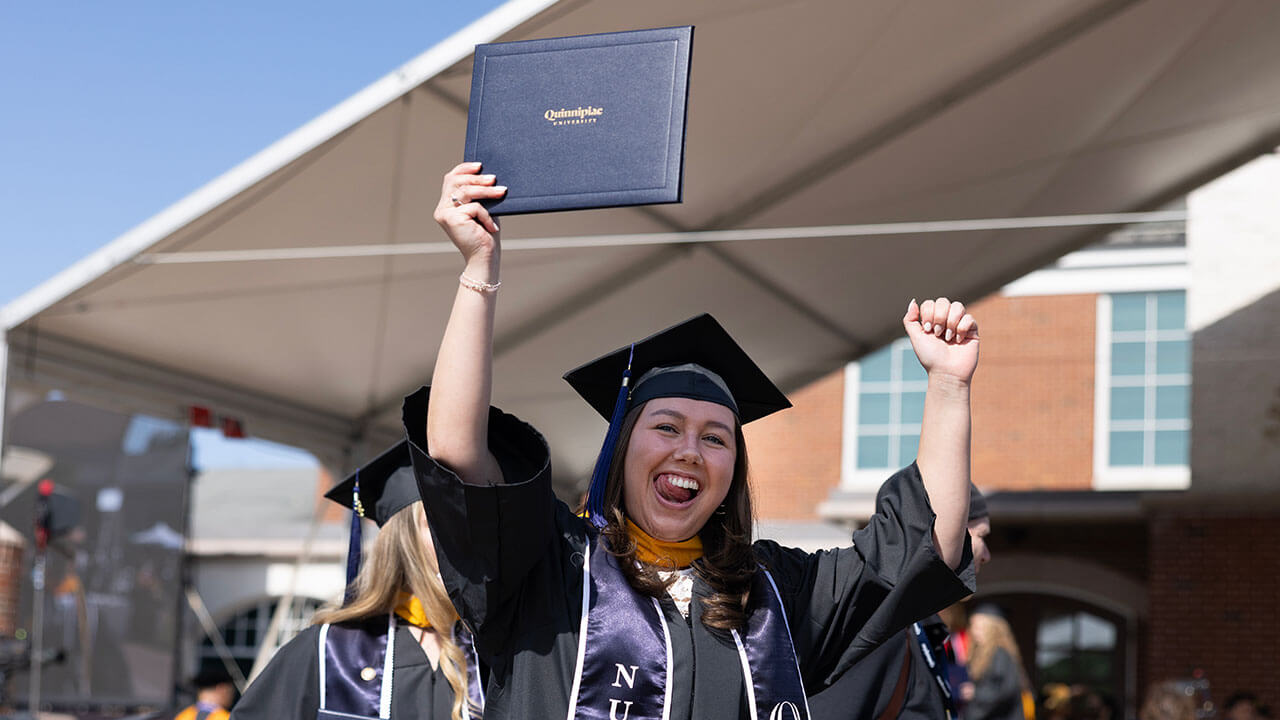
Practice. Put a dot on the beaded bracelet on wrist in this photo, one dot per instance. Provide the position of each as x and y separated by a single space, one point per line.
476 285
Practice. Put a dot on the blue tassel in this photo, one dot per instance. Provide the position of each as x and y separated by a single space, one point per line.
595 491
353 545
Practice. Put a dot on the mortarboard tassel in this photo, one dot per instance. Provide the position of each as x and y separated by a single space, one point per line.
353 545
595 491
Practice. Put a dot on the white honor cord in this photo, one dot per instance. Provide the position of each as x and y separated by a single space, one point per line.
787 624
475 658
746 674
746 666
666 635
384 705
466 675
324 633
582 631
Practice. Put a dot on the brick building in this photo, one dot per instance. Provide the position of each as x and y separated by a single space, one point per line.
1127 431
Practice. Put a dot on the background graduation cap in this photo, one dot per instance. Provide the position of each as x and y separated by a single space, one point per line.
211 677
977 504
378 490
684 352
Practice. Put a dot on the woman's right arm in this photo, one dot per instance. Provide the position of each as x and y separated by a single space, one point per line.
461 385
484 476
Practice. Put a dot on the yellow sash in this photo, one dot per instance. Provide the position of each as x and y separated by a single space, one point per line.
409 607
661 553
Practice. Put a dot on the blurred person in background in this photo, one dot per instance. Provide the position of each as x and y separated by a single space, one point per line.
995 666
395 647
1242 705
1056 700
214 694
1168 700
914 674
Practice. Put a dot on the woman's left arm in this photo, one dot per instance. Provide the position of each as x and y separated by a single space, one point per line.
945 340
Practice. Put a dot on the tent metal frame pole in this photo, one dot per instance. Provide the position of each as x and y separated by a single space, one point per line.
184 578
35 666
210 628
693 237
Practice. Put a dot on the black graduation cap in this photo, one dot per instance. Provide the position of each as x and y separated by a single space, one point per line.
378 490
211 677
977 504
988 608
383 487
696 359
699 340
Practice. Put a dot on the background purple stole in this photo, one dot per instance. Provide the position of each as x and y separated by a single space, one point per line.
475 684
624 651
348 650
769 656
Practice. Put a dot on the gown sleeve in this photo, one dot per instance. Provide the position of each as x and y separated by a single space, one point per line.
490 539
866 689
288 687
842 603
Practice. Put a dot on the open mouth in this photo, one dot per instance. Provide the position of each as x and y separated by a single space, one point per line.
679 490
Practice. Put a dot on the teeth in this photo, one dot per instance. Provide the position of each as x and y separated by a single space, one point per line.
682 482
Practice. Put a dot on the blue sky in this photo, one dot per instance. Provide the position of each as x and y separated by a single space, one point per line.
110 112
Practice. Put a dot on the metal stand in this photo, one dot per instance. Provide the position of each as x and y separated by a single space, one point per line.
37 630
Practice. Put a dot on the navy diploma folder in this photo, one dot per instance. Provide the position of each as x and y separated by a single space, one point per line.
582 122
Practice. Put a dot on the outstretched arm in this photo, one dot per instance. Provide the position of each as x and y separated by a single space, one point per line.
462 383
945 339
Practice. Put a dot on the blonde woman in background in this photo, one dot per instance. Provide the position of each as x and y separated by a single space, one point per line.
395 648
995 668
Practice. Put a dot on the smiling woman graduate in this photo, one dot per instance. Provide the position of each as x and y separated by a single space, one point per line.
655 603
395 648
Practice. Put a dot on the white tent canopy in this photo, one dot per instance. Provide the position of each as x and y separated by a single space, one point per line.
803 114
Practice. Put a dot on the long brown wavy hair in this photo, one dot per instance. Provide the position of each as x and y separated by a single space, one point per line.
399 561
996 635
728 562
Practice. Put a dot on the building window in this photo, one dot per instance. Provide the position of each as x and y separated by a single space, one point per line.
244 632
883 409
1076 648
1144 389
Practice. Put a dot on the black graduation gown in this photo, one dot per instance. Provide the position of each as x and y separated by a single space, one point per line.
997 695
864 691
511 558
289 686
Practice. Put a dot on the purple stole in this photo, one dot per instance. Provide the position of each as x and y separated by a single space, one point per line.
624 651
356 670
